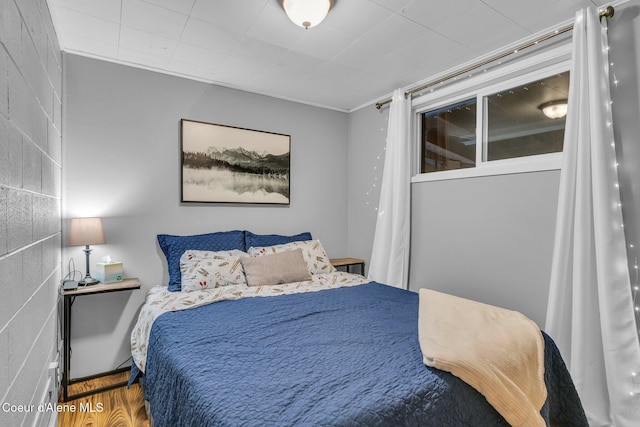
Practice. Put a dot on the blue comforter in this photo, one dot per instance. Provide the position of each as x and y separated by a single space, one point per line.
340 357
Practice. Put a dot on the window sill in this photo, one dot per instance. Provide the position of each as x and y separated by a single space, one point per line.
499 167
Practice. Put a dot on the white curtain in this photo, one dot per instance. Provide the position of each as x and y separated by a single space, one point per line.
390 255
590 313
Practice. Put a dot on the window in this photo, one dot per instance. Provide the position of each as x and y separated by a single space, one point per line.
516 124
449 137
496 127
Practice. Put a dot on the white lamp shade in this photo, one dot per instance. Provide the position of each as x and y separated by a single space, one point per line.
306 13
555 109
86 231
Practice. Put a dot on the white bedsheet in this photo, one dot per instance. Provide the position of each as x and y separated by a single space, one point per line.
159 300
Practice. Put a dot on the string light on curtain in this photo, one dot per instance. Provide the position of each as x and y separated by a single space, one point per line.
377 168
591 280
636 288
635 279
635 376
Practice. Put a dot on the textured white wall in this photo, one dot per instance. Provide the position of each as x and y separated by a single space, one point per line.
30 191
122 162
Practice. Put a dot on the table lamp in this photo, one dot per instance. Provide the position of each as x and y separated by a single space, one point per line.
85 232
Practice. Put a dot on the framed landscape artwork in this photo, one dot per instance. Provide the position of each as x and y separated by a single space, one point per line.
226 164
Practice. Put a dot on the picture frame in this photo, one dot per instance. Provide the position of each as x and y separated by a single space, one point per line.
228 164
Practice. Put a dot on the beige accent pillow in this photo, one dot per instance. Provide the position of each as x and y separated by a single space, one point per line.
312 251
275 269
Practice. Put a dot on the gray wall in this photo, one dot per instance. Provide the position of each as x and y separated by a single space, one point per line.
30 176
367 136
122 162
491 238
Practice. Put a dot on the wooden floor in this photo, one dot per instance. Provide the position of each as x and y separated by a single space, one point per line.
120 407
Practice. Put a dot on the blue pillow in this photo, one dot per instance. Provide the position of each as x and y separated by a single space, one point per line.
259 240
174 246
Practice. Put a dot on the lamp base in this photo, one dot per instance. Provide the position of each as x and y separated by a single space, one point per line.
87 281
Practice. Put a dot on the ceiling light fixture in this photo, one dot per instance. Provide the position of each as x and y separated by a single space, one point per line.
554 109
306 13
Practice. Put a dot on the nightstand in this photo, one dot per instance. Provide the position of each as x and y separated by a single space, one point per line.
347 263
69 298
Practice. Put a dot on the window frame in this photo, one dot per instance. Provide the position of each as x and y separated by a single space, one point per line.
480 86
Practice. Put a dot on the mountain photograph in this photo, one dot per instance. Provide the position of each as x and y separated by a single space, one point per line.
224 170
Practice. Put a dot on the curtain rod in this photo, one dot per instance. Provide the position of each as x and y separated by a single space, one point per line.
605 13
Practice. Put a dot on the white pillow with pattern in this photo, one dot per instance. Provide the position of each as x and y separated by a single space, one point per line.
209 270
312 251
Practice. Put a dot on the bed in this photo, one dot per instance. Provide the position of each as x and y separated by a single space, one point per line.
334 349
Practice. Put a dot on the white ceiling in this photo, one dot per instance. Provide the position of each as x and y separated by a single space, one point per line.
361 52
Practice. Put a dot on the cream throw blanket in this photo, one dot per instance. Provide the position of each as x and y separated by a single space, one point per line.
498 352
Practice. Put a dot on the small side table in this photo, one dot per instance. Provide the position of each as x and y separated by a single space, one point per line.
69 297
347 263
